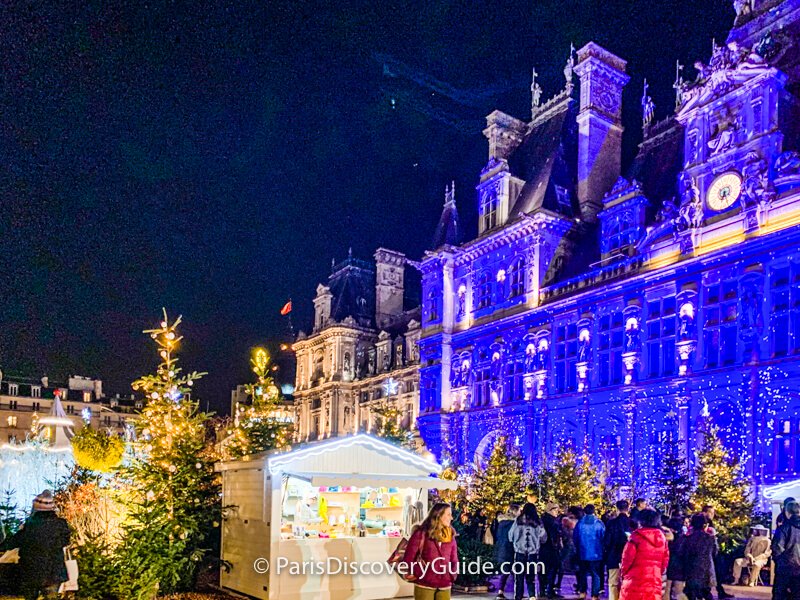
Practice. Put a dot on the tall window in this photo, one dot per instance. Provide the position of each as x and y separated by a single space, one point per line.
786 445
433 305
609 453
661 323
785 309
516 277
489 211
609 349
483 293
719 323
565 357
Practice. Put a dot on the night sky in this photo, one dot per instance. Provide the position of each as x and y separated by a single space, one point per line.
213 158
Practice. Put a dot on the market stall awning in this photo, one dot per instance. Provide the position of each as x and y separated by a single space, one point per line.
374 480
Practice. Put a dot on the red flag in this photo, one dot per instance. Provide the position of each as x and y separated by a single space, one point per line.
287 308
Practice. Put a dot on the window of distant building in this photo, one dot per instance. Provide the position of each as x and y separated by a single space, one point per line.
719 323
36 391
489 211
483 292
37 406
609 453
13 389
609 349
12 421
12 405
87 396
516 278
784 309
661 322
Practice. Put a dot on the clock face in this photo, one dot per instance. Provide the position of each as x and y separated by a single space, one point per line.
724 191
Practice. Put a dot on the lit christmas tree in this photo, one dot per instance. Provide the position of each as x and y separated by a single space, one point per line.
498 483
261 425
173 502
387 423
721 483
674 481
574 482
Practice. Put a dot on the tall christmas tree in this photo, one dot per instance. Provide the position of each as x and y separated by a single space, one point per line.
721 483
260 425
574 480
498 483
674 482
387 423
173 502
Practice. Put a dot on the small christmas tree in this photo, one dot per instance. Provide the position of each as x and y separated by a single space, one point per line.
387 423
674 483
173 501
259 426
574 481
498 483
721 483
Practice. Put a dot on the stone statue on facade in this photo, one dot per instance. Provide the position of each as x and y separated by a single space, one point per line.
530 358
788 163
668 211
536 94
648 108
750 305
540 359
633 336
754 180
347 363
686 328
691 210
584 348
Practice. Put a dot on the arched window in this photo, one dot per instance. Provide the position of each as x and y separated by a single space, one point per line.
615 237
516 277
483 292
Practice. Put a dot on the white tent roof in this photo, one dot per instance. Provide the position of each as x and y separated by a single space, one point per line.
61 424
780 491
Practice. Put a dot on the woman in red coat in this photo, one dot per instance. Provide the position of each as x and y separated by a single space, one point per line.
431 556
644 560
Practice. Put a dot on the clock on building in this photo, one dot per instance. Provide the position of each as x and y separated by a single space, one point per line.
724 191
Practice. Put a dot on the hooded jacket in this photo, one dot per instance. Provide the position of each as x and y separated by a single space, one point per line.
503 547
786 547
644 561
527 536
588 538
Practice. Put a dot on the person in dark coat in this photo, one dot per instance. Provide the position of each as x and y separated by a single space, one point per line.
638 506
786 554
503 547
697 552
588 536
784 516
719 567
550 553
618 531
41 542
676 579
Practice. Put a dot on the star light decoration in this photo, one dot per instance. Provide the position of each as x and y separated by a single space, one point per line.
390 387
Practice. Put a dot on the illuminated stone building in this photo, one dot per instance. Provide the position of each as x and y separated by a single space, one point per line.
608 307
362 351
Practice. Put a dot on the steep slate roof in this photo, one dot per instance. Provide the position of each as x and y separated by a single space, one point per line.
352 285
447 229
547 159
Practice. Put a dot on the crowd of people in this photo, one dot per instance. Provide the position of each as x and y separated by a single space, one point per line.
634 551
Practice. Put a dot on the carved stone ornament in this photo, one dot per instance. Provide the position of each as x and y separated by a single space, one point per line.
787 164
754 180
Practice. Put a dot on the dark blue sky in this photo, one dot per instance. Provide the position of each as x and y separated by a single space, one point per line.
212 158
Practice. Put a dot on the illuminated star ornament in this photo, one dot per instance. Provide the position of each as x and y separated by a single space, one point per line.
390 387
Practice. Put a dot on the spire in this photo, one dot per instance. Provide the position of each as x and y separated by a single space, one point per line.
60 423
536 94
447 229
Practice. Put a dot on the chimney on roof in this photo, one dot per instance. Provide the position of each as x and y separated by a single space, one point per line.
389 282
602 77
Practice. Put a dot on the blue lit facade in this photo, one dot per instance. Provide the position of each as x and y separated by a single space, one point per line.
608 309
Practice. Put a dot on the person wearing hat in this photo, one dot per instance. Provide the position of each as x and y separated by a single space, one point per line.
41 542
756 555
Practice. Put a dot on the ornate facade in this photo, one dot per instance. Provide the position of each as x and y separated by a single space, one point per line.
610 310
362 353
